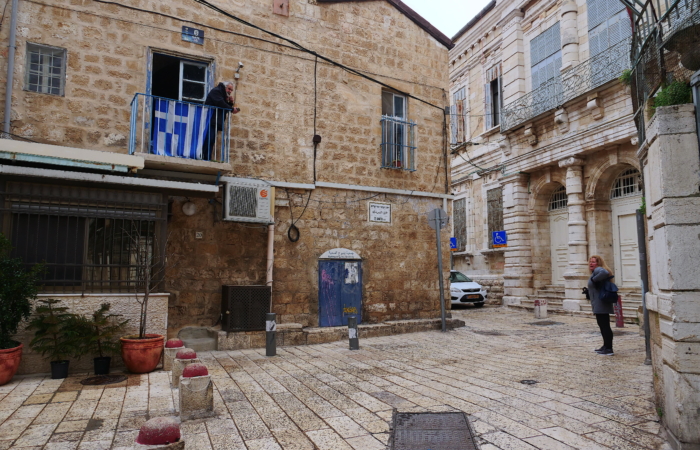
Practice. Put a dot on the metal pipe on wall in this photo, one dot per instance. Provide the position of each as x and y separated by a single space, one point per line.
270 256
642 245
10 67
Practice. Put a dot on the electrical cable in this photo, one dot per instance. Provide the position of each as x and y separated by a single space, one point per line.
315 107
3 13
293 227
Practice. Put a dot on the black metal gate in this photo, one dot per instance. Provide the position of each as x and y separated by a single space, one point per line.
243 308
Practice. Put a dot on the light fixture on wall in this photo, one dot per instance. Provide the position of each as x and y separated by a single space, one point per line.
189 208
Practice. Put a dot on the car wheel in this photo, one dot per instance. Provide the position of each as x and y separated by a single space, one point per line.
479 305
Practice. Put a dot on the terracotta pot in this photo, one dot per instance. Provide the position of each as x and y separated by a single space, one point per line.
9 363
142 355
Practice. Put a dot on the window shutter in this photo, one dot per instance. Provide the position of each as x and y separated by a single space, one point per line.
453 122
488 107
460 223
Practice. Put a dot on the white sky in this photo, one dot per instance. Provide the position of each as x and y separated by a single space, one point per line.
448 16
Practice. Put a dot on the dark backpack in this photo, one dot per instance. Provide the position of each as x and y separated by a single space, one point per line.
607 291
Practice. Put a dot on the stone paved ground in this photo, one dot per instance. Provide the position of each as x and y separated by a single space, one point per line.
329 398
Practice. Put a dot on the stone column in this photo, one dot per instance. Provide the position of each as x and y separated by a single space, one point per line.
513 59
517 276
576 274
671 164
569 35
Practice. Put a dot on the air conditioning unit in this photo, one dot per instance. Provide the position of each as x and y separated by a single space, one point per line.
248 200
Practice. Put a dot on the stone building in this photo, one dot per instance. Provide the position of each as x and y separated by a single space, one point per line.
341 132
543 145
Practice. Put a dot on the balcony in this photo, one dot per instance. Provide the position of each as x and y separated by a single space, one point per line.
569 85
179 136
398 143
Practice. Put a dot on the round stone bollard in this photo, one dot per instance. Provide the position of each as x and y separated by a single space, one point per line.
183 358
541 309
160 433
196 393
172 346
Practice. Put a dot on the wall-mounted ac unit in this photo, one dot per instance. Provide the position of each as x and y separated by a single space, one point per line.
248 200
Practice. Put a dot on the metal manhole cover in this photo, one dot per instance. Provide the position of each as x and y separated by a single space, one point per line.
434 431
529 381
100 380
546 323
489 333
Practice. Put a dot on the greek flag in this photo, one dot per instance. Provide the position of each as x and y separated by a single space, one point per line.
179 128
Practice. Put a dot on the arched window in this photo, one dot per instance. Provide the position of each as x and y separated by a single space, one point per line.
558 200
627 184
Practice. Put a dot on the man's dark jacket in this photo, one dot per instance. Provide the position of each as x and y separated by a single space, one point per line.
217 97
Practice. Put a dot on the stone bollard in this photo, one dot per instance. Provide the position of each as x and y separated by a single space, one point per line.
171 349
196 393
183 358
160 433
541 309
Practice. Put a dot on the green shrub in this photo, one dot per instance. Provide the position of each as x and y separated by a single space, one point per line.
626 77
57 333
675 93
103 333
17 287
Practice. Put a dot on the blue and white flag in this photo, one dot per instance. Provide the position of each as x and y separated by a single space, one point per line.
179 128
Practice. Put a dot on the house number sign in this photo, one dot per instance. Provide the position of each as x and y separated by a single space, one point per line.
380 212
193 35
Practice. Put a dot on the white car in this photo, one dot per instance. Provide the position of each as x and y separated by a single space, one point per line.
464 290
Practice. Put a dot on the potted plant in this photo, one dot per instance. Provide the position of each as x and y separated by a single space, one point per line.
57 335
142 353
100 337
17 287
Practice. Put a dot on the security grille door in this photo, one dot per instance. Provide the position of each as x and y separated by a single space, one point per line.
339 292
244 308
460 223
494 198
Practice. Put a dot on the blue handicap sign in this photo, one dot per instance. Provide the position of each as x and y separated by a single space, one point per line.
500 239
453 243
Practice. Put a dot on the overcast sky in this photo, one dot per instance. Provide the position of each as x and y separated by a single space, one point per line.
448 16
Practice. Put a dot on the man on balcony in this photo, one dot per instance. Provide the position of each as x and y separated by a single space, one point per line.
220 97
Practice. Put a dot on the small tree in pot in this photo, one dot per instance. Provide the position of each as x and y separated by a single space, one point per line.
57 335
100 336
18 287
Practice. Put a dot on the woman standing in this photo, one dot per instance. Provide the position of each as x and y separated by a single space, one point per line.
600 272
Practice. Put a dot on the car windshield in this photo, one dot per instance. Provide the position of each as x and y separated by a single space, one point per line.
459 277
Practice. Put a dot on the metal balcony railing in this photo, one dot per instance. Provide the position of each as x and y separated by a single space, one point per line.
167 127
398 143
573 83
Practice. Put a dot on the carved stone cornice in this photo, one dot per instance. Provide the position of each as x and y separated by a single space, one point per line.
511 19
571 162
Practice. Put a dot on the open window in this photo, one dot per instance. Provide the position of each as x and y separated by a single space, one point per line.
398 149
179 78
493 97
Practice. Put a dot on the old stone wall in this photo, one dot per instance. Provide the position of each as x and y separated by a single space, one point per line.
399 259
286 95
123 304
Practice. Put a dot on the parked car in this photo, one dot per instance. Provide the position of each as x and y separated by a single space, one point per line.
464 290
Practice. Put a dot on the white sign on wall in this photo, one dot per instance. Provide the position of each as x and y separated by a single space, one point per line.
379 212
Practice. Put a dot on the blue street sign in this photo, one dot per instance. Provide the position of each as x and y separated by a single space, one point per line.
453 244
500 239
193 35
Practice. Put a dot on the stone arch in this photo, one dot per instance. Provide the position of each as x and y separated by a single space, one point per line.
603 175
542 190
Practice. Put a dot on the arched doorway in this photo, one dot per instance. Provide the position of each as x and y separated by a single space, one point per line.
625 199
558 234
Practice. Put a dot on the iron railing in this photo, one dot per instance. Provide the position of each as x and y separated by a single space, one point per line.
167 127
398 143
87 240
569 85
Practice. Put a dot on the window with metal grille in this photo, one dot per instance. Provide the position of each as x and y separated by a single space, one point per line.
398 133
243 201
88 240
46 69
545 56
459 211
559 199
459 118
627 184
494 202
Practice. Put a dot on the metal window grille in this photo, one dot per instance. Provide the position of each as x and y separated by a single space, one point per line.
88 240
460 223
627 184
46 67
559 199
398 143
243 201
494 202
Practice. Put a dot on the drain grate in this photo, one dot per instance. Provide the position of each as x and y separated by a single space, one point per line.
434 431
100 380
546 323
529 382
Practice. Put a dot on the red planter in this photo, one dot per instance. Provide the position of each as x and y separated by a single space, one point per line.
9 363
142 355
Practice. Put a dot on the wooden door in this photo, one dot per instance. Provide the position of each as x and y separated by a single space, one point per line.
559 245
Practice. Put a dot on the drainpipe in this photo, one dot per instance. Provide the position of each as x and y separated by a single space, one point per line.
10 67
270 256
642 245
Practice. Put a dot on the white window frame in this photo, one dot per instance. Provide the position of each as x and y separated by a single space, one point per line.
545 56
44 69
204 83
